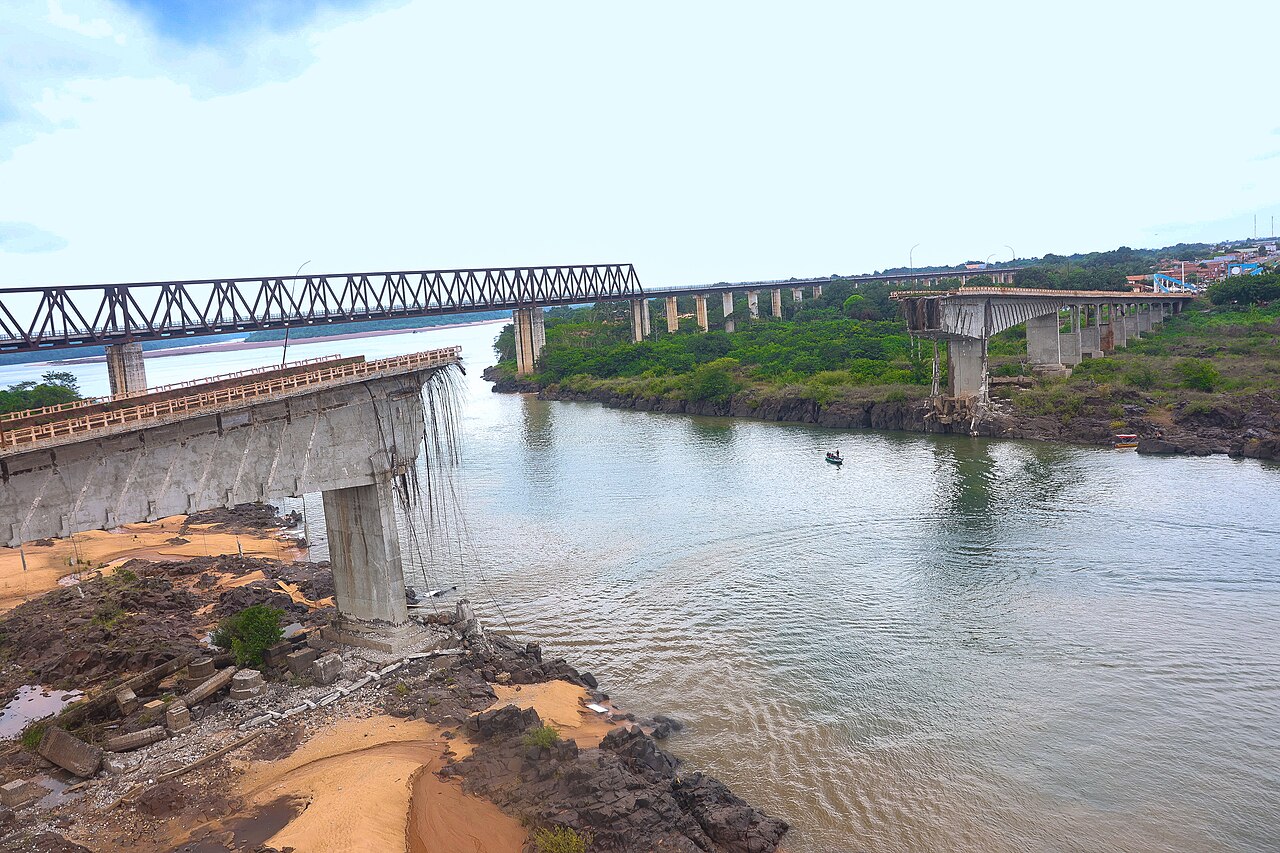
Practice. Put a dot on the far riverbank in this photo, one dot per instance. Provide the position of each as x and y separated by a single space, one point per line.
1249 429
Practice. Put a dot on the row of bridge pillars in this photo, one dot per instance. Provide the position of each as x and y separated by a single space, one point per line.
1095 330
531 334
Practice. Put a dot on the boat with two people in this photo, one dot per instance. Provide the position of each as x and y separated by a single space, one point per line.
834 458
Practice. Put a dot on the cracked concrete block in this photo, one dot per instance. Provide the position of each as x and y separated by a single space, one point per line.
69 752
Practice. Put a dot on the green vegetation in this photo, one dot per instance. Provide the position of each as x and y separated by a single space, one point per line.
249 633
1246 290
55 387
32 734
560 839
543 736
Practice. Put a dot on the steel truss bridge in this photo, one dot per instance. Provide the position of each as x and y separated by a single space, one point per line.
95 314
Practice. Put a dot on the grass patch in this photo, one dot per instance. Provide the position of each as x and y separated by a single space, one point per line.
543 736
560 839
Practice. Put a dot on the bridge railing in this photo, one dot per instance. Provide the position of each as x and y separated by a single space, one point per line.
84 427
160 389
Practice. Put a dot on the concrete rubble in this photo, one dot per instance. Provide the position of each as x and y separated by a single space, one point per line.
69 752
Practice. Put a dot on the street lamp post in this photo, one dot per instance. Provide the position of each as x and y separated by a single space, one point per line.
911 267
285 352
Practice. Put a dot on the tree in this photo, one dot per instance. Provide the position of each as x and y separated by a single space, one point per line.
65 378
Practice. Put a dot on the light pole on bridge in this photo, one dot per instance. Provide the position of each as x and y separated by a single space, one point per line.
285 352
911 267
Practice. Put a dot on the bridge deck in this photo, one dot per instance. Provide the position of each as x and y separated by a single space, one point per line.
1016 292
42 436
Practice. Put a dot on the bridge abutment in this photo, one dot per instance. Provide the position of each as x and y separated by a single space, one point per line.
531 338
125 368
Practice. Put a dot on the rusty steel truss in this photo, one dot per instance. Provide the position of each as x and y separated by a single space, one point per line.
81 315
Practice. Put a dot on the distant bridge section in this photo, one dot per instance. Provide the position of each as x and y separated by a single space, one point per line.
1097 322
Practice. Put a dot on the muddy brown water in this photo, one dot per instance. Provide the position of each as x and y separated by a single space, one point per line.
946 644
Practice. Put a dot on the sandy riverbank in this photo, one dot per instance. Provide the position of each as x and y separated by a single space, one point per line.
49 560
235 346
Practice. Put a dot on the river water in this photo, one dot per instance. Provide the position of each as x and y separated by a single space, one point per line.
947 644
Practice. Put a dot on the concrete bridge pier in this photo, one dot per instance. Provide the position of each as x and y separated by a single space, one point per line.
726 304
125 368
700 308
1119 326
1131 330
640 326
1070 343
797 296
673 315
753 304
364 549
966 367
817 291
1144 319
531 338
1044 343
1090 345
775 302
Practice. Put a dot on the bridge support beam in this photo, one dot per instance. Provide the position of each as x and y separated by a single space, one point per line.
1069 343
1090 345
1119 327
125 368
775 303
966 360
639 320
753 304
531 338
364 548
673 315
700 308
726 305
1043 348
1144 319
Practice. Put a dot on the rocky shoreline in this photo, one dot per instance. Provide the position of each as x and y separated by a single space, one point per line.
151 768
1250 429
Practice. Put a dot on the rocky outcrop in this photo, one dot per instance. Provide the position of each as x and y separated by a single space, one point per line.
627 794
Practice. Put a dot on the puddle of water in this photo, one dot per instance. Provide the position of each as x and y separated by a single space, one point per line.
32 702
250 831
293 630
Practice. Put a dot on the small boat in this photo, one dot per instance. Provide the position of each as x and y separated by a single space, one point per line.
834 458
1125 441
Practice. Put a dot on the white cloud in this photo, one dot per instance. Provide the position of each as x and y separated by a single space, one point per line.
701 141
97 28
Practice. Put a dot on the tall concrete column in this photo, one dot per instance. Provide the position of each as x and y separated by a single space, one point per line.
1119 327
673 315
125 368
753 304
1090 344
700 308
797 296
1144 318
1131 330
531 338
1042 340
817 291
1070 343
637 320
364 549
775 302
964 367
726 305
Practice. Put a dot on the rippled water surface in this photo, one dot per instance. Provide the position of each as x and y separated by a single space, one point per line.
947 644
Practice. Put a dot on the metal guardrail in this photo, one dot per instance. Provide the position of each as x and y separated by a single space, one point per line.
159 389
1127 295
88 425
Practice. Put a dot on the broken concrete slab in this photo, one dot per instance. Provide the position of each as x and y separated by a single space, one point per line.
300 661
19 792
126 701
326 669
69 752
177 717
218 682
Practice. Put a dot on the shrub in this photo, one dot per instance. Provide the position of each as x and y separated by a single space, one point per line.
543 736
1142 376
1199 374
32 735
249 633
560 839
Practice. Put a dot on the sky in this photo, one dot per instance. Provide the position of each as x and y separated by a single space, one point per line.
701 141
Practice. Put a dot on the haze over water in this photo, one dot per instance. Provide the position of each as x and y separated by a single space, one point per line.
948 644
